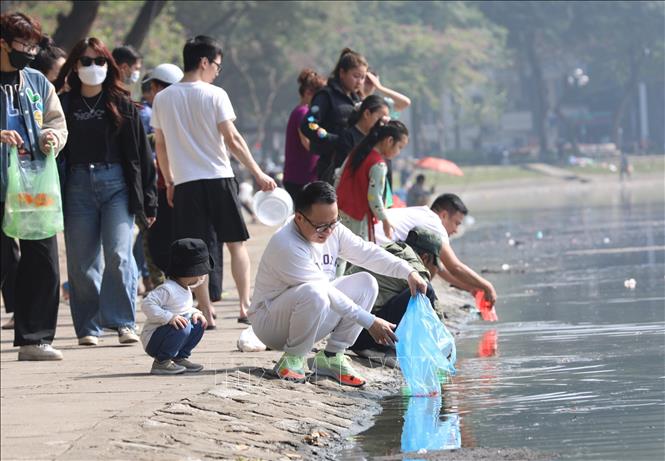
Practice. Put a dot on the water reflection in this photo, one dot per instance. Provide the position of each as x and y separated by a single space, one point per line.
488 346
427 428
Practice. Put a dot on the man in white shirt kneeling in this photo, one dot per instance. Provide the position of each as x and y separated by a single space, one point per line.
297 300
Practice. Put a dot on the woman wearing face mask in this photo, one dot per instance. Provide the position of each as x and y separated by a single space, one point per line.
30 119
361 121
364 175
110 180
330 109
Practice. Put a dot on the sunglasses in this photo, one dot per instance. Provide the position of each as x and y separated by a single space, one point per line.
87 61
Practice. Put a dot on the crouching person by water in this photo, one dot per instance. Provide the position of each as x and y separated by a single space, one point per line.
174 327
421 250
297 300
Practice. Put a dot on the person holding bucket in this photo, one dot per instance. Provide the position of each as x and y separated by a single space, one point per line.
110 180
33 122
194 137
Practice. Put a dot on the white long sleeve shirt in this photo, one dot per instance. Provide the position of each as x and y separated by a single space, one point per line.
290 260
162 304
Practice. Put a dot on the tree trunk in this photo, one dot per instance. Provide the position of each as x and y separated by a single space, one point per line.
415 129
628 90
456 127
76 25
539 106
139 31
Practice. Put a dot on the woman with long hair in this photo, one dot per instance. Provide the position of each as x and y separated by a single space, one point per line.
361 121
110 180
299 161
364 176
330 109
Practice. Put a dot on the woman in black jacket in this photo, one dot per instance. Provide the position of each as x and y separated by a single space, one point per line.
330 108
110 180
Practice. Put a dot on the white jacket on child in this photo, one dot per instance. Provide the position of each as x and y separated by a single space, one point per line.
162 304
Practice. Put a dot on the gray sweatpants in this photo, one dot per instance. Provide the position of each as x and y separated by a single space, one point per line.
302 315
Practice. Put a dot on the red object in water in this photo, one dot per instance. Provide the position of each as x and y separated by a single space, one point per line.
397 202
488 345
486 308
439 164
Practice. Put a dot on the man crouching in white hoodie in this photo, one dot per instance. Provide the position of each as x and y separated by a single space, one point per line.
297 300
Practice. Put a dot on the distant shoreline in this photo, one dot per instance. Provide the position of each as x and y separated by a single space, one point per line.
548 192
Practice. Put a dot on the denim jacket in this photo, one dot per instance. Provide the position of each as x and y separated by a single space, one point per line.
41 112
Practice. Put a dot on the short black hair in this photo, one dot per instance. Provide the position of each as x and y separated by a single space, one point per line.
420 178
126 55
315 192
199 47
451 203
47 56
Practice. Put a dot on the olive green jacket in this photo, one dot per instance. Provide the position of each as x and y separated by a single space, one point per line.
390 286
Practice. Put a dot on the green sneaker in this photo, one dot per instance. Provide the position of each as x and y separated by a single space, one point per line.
338 367
291 367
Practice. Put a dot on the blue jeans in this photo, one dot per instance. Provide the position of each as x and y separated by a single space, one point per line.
167 342
96 209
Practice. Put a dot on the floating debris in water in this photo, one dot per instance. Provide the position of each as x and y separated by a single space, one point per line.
539 235
630 284
505 267
606 240
508 235
422 451
511 242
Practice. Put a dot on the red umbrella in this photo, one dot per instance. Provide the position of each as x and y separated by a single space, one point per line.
439 164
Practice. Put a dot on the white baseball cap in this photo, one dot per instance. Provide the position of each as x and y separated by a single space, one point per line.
167 73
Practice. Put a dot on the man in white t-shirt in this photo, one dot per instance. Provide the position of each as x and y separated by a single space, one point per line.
443 218
297 300
194 132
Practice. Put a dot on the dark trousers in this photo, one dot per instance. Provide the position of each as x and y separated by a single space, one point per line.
293 189
216 277
160 234
392 311
9 276
167 342
37 287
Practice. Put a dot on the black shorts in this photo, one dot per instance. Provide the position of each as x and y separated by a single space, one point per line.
206 206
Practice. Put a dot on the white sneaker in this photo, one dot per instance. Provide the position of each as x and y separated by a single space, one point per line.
127 336
88 340
38 352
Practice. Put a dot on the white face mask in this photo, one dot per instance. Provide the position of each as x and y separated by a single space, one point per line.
93 74
134 77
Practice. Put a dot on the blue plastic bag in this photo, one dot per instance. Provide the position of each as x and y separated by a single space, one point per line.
425 347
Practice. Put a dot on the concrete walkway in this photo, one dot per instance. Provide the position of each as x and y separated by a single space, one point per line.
50 407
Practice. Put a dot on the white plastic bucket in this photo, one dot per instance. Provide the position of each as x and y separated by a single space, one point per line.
274 207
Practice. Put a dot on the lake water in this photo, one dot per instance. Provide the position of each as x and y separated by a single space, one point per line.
576 363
